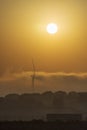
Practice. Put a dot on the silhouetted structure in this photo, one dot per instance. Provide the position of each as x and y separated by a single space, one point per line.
64 117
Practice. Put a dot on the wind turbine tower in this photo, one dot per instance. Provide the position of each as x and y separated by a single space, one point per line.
33 76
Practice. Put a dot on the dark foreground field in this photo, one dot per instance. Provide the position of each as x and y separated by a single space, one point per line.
40 125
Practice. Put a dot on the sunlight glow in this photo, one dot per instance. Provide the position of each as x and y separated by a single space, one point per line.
52 28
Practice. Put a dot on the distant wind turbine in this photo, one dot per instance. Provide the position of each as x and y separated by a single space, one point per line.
33 76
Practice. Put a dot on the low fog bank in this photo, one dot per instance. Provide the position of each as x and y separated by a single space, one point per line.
22 82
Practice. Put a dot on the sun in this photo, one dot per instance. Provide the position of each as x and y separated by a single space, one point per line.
52 28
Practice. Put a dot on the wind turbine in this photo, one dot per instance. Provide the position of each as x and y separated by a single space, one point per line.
33 76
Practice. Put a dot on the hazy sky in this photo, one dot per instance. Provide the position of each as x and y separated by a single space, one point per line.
23 36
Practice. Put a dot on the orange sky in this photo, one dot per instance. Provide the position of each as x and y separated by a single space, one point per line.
23 36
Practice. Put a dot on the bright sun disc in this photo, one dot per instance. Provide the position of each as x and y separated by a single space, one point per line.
52 28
